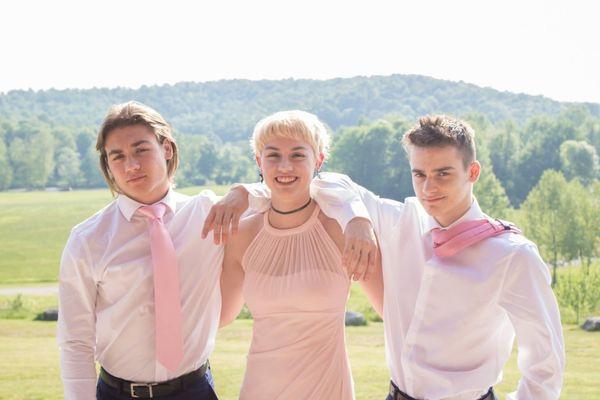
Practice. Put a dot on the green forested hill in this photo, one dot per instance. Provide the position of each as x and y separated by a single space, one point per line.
229 109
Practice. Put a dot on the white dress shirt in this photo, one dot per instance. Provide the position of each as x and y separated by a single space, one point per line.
450 323
106 310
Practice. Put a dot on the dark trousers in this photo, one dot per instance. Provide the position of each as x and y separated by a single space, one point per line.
488 396
202 389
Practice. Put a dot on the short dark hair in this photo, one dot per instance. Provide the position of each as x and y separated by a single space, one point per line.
441 131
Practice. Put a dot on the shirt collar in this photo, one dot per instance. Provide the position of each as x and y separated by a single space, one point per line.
474 212
128 206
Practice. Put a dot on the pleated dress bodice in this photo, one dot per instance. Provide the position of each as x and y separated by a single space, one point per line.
296 289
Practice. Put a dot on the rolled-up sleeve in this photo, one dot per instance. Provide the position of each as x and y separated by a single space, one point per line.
76 334
531 305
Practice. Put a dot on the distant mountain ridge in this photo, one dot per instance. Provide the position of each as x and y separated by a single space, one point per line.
230 108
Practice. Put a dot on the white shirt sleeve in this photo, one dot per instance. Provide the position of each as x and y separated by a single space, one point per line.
259 196
531 306
76 334
342 199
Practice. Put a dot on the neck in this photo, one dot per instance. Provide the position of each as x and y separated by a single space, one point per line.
150 198
447 220
292 220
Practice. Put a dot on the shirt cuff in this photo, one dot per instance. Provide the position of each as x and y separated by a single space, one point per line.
80 389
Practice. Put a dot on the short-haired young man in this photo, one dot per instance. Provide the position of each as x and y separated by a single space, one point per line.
458 284
139 289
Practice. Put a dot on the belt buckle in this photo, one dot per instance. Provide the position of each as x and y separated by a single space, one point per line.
132 387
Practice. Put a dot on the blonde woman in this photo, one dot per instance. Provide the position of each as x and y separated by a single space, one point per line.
286 264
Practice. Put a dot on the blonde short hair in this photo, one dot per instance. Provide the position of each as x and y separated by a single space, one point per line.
293 124
129 114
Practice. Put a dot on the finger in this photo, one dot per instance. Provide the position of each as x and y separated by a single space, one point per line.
235 224
353 263
361 265
346 255
225 228
208 223
371 265
217 230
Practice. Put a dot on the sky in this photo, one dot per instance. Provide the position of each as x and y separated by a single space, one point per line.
549 48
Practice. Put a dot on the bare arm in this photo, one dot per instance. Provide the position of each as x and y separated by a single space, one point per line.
373 287
232 280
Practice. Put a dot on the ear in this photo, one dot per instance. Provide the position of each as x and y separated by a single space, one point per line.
474 171
257 158
320 160
168 149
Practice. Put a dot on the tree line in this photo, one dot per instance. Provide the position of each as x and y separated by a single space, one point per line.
228 109
35 155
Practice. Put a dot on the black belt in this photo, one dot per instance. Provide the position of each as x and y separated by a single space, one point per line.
398 394
152 390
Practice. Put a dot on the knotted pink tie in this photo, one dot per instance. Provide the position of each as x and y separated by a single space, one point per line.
167 302
448 242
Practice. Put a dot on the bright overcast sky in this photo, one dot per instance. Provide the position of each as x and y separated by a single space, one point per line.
546 47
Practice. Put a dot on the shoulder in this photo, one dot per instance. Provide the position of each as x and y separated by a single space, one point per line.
522 256
91 230
331 225
249 227
198 203
333 229
97 221
251 224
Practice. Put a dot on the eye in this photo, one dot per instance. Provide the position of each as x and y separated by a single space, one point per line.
141 150
117 157
418 175
272 155
443 173
298 155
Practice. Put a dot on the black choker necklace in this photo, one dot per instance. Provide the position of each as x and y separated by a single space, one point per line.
292 211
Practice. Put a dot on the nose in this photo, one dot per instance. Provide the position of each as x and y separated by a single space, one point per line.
429 186
132 164
285 165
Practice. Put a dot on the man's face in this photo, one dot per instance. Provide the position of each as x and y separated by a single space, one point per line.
138 163
441 181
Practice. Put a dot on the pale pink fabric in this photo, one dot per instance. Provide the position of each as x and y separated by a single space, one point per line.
167 299
296 290
448 242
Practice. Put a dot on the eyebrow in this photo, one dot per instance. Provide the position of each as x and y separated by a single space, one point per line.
293 148
442 169
135 144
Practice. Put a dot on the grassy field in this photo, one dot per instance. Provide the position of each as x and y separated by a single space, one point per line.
34 227
29 367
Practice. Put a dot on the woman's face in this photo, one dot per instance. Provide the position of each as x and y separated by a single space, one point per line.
288 166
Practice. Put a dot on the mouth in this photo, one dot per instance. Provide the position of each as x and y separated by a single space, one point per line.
136 179
433 200
286 180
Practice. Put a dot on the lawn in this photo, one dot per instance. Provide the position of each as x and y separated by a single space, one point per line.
34 227
29 367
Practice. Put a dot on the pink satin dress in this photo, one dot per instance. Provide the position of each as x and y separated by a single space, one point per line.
296 290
